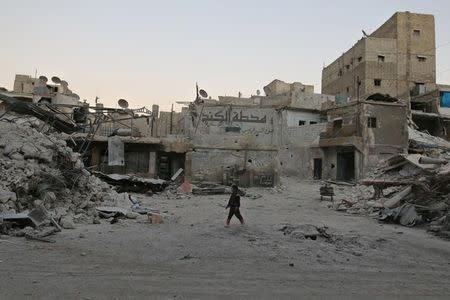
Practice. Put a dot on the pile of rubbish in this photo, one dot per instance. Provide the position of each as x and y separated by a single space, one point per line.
44 183
409 189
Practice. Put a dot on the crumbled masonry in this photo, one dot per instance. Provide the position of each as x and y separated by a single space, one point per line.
38 170
410 189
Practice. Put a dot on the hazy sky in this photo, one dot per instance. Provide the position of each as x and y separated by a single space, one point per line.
154 51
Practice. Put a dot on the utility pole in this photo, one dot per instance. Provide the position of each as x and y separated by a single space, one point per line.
171 119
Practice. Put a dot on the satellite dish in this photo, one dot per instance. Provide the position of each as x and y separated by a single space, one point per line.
43 79
64 83
123 103
203 93
56 80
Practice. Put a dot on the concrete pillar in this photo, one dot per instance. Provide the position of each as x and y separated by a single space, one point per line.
152 164
188 167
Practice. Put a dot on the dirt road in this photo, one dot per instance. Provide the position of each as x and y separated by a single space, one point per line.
192 256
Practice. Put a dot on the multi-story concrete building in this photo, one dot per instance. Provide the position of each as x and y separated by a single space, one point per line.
359 134
398 58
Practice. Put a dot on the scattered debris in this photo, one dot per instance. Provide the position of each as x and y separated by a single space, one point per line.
133 183
409 189
186 257
405 215
43 183
304 231
155 218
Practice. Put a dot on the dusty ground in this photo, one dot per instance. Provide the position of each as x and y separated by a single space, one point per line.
193 256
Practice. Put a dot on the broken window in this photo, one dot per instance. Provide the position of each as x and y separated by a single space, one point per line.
416 32
347 67
337 124
301 122
380 58
377 82
421 58
340 73
312 122
348 89
360 59
372 122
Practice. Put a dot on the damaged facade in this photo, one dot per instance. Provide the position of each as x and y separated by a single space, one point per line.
360 133
252 141
385 79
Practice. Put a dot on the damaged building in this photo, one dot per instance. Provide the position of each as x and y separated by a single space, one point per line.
386 79
360 133
252 141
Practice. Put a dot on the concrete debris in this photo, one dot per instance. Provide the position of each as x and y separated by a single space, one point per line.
67 222
421 140
133 183
304 231
43 182
406 215
155 218
409 189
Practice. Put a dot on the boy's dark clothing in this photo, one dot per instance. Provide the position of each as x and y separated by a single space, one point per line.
234 203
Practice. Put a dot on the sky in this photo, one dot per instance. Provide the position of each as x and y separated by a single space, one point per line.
153 52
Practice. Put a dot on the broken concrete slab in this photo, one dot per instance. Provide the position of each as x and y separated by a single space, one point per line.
132 183
405 215
155 218
35 218
6 196
112 209
395 200
67 222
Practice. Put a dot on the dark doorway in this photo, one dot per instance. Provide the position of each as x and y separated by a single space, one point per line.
169 163
346 166
317 168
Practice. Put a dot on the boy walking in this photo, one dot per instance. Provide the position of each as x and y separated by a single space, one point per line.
234 203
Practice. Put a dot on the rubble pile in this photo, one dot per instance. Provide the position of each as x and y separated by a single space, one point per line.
410 189
39 170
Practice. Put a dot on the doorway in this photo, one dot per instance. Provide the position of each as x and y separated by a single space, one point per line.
169 163
346 166
317 168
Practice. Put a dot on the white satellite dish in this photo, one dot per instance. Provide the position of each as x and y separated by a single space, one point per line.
43 79
56 80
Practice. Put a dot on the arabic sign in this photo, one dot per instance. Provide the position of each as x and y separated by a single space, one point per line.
233 116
